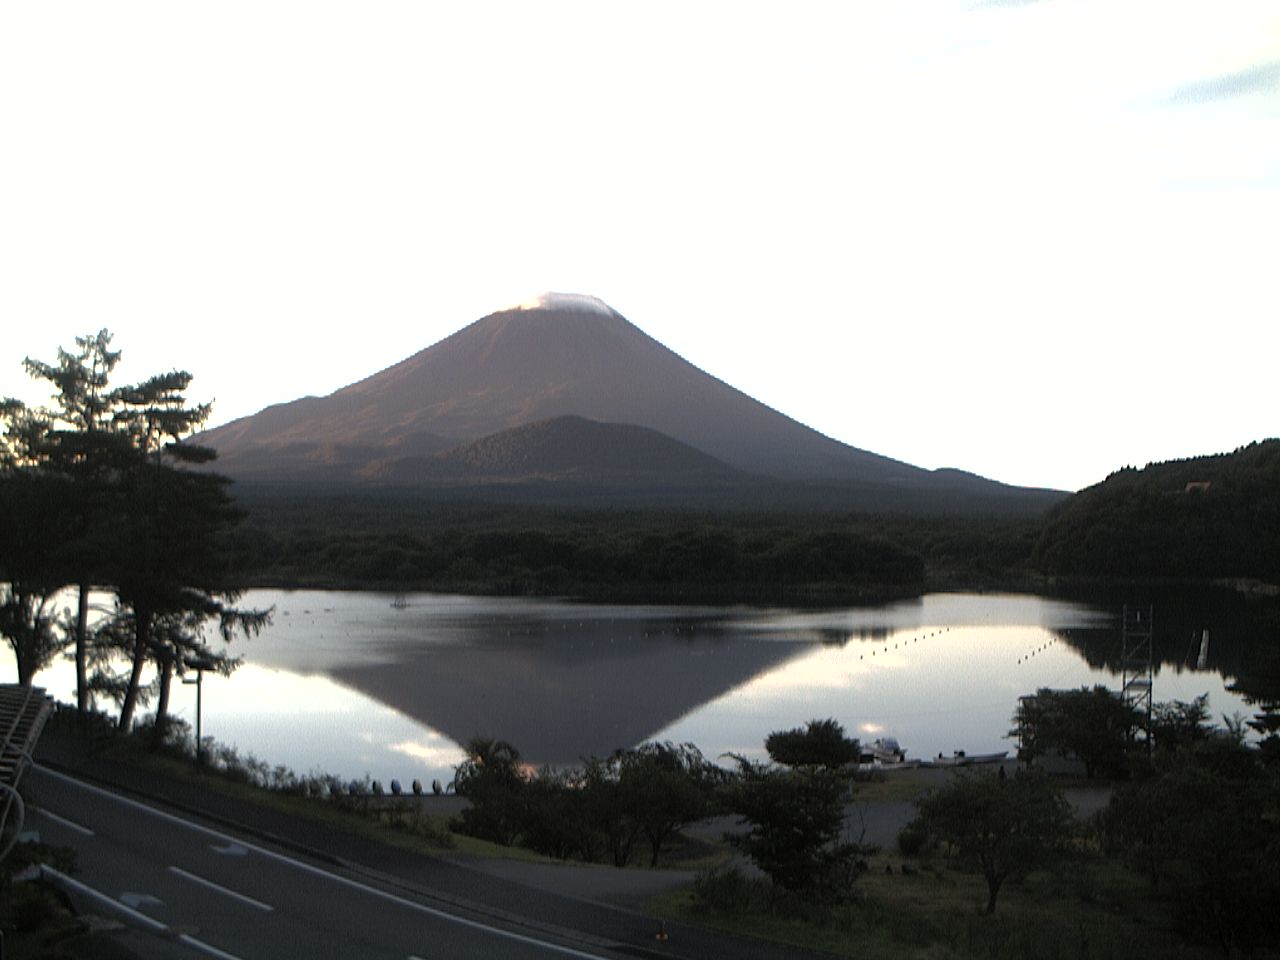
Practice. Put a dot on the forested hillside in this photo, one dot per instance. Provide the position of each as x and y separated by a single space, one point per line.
1214 517
404 543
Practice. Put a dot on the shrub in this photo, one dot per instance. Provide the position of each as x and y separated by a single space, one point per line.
796 813
912 840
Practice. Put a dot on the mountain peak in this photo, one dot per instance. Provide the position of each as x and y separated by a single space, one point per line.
557 356
565 303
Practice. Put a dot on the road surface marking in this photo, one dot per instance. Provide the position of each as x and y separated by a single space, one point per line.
208 948
69 824
423 908
230 849
333 877
155 926
135 900
221 889
141 919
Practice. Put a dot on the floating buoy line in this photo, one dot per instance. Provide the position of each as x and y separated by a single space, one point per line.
904 643
1040 649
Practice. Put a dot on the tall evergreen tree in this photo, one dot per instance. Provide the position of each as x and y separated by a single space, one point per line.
109 462
84 445
171 570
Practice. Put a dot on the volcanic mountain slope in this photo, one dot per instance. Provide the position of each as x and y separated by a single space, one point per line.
563 448
565 356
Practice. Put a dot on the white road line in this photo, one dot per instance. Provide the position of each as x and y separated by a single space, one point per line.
69 824
423 908
141 919
208 948
336 878
155 926
226 891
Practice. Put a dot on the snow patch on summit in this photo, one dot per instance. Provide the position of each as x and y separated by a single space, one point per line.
569 302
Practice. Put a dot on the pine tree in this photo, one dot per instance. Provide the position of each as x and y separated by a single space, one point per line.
130 513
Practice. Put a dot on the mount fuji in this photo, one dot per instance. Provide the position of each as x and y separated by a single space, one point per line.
565 389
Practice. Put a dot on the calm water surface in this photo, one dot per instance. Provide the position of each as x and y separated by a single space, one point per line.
350 684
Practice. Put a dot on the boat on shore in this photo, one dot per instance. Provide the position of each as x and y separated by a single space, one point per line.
959 758
885 754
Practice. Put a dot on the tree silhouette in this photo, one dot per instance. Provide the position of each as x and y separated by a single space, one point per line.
1092 725
130 514
492 778
794 809
82 444
1003 824
33 526
1203 825
665 786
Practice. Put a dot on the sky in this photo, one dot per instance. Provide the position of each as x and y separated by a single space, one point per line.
1033 240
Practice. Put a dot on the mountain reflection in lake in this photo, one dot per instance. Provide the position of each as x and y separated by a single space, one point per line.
350 684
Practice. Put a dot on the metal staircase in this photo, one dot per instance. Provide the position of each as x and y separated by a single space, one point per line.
23 712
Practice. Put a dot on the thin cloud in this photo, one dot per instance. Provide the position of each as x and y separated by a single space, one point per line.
1260 80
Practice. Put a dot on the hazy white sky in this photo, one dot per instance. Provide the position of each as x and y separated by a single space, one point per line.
1035 240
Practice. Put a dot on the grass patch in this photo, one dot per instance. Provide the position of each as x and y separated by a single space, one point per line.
35 917
894 785
405 822
401 823
1092 910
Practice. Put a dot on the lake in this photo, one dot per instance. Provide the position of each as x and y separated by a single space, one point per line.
357 684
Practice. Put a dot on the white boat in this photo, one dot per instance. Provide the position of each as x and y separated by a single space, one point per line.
883 753
959 758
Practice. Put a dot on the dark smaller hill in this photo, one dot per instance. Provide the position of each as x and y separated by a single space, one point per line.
567 448
1205 517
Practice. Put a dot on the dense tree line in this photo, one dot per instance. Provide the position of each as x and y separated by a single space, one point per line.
392 541
1200 819
603 811
613 557
1207 517
99 493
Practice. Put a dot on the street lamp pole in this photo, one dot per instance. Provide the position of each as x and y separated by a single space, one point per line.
199 682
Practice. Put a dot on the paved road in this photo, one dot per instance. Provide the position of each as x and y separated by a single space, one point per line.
553 910
224 897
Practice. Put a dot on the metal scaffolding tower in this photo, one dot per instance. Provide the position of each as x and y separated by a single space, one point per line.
1136 666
